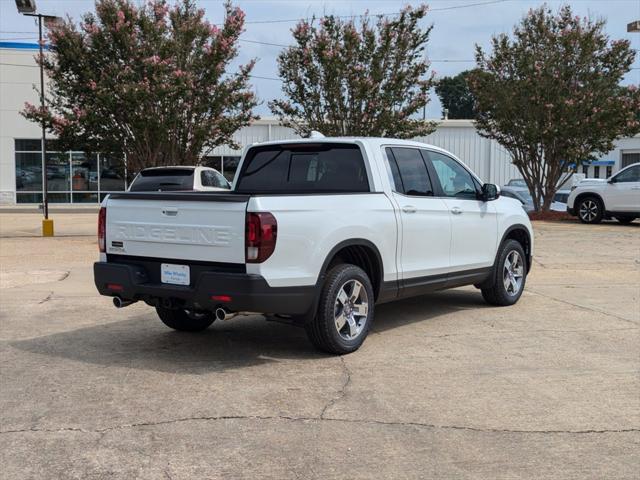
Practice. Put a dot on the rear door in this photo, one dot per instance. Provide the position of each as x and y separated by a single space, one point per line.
474 225
206 227
426 227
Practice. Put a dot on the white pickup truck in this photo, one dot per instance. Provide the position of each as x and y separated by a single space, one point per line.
319 230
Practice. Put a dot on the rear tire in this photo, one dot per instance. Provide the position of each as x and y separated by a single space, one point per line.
590 210
509 276
185 320
345 311
625 220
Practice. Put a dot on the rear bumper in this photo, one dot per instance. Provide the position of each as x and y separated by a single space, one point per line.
247 292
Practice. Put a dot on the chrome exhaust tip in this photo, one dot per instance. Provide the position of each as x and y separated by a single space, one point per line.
224 314
120 303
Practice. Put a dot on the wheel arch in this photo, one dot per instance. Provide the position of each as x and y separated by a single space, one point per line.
583 195
360 252
520 233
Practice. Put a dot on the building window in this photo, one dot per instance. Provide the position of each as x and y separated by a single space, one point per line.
585 171
72 177
630 158
229 166
596 172
609 171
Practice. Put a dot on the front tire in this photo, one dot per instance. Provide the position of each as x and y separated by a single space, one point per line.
345 311
185 320
509 276
590 210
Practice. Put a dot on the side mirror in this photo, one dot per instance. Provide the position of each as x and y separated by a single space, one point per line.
489 192
611 180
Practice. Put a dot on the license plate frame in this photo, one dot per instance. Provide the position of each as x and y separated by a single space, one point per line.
175 274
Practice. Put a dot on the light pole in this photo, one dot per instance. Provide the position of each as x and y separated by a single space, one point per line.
28 8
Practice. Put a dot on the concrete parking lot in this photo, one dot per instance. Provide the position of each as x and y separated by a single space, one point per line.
445 386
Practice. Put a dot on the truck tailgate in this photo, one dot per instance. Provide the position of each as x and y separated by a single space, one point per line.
185 226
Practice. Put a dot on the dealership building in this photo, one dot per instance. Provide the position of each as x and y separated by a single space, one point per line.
74 177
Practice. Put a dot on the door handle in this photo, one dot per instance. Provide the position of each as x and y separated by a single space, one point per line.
170 211
456 210
409 209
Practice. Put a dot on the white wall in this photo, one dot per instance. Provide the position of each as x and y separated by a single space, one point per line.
16 88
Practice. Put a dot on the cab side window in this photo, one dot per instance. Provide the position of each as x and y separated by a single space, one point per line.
455 180
204 179
409 172
629 175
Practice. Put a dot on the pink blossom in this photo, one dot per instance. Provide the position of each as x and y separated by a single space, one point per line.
179 73
548 105
120 15
160 9
92 85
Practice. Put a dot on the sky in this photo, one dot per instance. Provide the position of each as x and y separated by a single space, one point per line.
458 25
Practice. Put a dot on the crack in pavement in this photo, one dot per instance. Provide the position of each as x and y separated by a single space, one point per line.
46 299
583 307
102 431
342 392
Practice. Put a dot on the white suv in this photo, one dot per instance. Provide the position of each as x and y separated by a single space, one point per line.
593 200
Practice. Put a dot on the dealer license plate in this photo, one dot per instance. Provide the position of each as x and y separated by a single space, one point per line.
175 274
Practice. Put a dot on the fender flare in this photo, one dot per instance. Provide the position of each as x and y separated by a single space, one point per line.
512 228
581 195
361 242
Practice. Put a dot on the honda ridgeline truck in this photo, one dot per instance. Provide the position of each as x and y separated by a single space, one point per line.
318 230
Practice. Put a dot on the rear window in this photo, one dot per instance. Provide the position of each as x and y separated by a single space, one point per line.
163 180
306 168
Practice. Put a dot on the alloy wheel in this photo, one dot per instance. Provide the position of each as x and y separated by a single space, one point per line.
351 309
588 210
513 273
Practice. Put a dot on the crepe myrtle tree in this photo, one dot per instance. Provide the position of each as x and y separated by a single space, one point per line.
343 78
551 95
152 82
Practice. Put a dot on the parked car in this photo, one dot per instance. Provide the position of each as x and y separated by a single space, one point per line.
618 197
520 194
517 182
319 230
166 179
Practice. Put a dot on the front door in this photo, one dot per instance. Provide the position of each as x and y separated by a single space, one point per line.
623 194
474 225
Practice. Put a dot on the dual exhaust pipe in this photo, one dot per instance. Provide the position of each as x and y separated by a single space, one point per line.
221 313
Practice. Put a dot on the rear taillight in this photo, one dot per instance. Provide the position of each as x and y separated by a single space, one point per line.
102 229
260 236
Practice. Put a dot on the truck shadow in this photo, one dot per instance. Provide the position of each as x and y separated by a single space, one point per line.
142 342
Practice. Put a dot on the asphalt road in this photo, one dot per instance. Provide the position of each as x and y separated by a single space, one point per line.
445 386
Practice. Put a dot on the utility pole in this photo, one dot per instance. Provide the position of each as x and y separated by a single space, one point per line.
28 9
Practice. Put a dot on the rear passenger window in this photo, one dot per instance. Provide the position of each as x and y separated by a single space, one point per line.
306 168
409 171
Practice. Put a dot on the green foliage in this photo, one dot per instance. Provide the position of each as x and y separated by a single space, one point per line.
346 79
551 95
455 96
148 81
